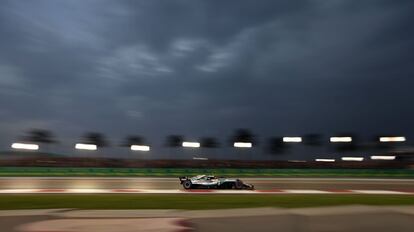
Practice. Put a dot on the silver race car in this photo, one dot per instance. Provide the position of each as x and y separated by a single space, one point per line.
212 182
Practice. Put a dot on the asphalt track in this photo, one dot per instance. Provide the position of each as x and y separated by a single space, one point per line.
263 184
339 219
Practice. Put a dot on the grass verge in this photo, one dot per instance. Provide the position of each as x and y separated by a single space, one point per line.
191 202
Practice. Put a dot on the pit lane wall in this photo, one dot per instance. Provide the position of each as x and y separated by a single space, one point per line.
175 172
55 165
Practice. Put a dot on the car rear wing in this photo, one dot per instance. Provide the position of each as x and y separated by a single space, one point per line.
182 179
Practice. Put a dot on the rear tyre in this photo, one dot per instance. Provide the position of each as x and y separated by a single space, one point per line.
187 184
238 184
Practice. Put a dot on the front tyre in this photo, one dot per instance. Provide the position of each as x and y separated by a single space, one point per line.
187 184
238 184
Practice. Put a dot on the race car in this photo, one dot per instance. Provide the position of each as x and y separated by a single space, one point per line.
213 182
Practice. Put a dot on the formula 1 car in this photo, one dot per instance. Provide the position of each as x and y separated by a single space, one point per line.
212 182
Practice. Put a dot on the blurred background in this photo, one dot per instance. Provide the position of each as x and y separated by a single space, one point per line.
203 69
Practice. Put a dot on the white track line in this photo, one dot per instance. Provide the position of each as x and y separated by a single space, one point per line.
12 191
379 192
80 191
200 191
306 191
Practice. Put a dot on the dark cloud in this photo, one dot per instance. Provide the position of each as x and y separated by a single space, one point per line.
205 67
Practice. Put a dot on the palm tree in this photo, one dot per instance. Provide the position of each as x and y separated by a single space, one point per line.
209 142
95 138
244 136
206 144
276 145
41 136
133 140
174 141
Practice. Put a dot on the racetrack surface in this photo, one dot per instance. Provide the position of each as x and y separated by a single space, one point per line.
332 184
338 218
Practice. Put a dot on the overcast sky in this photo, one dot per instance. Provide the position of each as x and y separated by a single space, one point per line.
201 68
